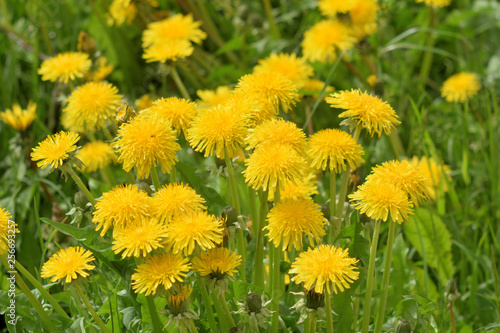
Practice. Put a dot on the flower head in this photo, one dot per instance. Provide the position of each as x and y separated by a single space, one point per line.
139 237
217 263
144 102
18 118
178 111
364 18
121 11
317 85
178 302
175 199
121 206
435 173
5 226
273 164
55 149
67 264
334 148
405 176
146 141
65 67
277 131
460 87
325 39
160 270
296 69
214 97
96 155
290 220
102 69
303 187
89 106
270 87
191 228
331 8
325 265
366 110
168 51
378 199
220 128
436 3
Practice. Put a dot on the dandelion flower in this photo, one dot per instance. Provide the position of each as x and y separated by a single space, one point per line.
435 173
191 228
65 67
378 199
248 106
144 102
18 118
89 106
121 11
334 148
296 69
405 176
145 142
366 110
273 164
214 97
331 8
291 219
175 199
325 39
220 128
122 205
55 149
168 51
364 18
177 27
102 71
436 3
303 187
277 131
460 87
178 302
178 111
270 87
317 85
139 237
67 264
325 265
96 155
217 263
160 270
5 227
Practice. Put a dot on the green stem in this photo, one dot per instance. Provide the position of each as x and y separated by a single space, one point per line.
275 282
241 243
379 319
157 325
274 28
427 60
328 310
173 175
465 150
223 323
259 256
155 179
208 308
223 302
67 167
369 279
179 83
85 300
310 326
253 209
333 197
131 177
192 326
232 182
396 144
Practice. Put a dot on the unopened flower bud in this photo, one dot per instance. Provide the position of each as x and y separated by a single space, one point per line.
81 200
253 302
403 326
326 211
142 186
314 300
230 215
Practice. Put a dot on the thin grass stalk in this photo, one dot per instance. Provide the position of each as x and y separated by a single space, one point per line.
208 307
379 319
369 279
259 255
180 85
155 178
328 310
90 308
465 150
274 28
67 168
427 60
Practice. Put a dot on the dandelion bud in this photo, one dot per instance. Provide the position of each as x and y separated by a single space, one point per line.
253 302
143 186
81 200
230 215
326 211
403 326
315 300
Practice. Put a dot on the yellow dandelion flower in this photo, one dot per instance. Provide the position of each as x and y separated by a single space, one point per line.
177 27
96 155
160 270
405 176
220 128
364 18
291 219
247 105
273 164
55 149
214 97
270 87
178 302
145 142
334 148
65 67
122 205
277 131
366 110
325 265
303 187
18 118
144 102
460 87
89 106
377 200
6 229
296 69
217 263
139 237
323 40
178 111
187 230
103 69
317 85
331 8
175 199
435 173
372 80
168 51
121 11
67 264
436 3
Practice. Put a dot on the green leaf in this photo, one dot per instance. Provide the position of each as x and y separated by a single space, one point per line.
430 237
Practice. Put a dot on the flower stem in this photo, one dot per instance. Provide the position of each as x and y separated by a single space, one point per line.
241 244
157 326
232 182
192 326
274 28
179 83
259 255
224 325
85 300
328 310
333 197
173 175
379 319
310 326
223 302
208 308
369 278
275 283
67 167
427 60
155 178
